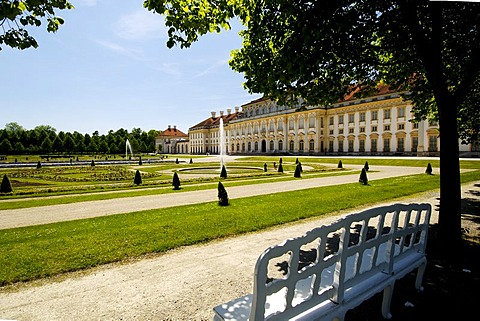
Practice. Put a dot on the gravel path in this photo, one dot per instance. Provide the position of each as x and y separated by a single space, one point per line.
183 284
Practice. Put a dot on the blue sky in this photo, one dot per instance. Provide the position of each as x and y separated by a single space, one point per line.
108 67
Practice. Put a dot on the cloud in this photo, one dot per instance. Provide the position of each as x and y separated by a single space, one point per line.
210 69
132 53
140 25
86 3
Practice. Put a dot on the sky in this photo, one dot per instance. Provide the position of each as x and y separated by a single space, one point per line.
108 67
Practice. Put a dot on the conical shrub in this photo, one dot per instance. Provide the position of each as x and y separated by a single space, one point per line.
6 186
265 167
176 181
297 173
191 161
138 178
366 166
340 165
223 173
93 163
39 165
363 177
429 169
222 195
280 168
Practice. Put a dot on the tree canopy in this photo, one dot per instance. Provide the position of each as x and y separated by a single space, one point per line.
320 51
16 17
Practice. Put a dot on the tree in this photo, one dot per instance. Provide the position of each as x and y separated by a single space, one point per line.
366 166
138 178
222 195
340 164
175 181
17 16
363 177
223 173
321 51
6 147
429 169
5 187
297 173
280 167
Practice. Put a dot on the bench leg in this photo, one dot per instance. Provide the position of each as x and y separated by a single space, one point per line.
387 300
420 273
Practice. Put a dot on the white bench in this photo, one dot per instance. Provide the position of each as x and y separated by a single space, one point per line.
334 268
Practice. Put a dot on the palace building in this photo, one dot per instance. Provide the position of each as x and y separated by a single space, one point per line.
378 125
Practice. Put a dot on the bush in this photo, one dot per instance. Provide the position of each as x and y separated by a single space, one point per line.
39 165
280 167
280 160
366 166
340 165
176 161
363 177
176 181
6 186
297 171
223 174
138 178
93 163
140 161
222 195
296 161
265 167
191 161
429 169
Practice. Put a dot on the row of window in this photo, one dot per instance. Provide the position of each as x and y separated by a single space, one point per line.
374 115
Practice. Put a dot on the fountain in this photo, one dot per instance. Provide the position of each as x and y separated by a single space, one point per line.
221 144
127 147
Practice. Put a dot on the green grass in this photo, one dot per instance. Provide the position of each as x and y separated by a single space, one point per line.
41 251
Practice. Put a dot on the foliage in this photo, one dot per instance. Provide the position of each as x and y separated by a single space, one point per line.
17 16
138 178
92 164
363 177
5 187
39 165
222 195
223 173
429 169
366 166
316 53
176 181
297 173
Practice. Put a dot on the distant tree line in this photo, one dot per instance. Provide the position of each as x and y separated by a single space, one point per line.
44 139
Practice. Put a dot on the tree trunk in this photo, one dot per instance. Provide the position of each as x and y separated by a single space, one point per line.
449 219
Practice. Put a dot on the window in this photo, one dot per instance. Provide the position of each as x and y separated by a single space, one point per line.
300 145
415 125
432 144
374 145
386 128
256 146
301 123
362 129
280 145
243 147
331 131
401 126
361 147
350 145
291 124
312 121
340 146
272 145
292 145
386 114
311 145
400 144
362 116
374 115
386 145
340 119
330 120
249 146
351 118
414 144
330 146
340 131
401 111
374 128
351 130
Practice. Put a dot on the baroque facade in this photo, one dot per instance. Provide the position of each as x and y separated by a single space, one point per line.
171 141
377 125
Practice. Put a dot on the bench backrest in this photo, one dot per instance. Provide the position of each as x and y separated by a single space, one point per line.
319 266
